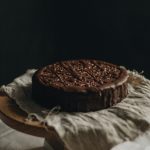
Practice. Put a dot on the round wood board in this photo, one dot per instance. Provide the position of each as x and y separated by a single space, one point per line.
14 117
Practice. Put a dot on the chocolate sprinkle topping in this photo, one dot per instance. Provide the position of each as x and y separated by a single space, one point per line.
81 73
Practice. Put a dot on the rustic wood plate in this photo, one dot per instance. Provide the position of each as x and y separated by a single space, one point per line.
14 117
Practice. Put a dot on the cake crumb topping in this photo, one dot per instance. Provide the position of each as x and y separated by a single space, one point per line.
81 73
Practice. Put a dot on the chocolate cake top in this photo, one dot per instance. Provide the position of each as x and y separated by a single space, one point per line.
82 75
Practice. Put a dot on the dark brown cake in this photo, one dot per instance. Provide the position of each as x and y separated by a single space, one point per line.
79 85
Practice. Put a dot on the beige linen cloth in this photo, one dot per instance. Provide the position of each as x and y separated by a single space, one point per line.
100 130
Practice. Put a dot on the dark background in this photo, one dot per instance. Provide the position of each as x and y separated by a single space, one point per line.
34 33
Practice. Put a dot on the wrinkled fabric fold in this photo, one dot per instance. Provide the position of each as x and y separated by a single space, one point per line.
100 130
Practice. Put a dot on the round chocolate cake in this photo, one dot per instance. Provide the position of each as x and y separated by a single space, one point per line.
79 85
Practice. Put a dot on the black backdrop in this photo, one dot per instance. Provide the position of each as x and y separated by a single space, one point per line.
34 33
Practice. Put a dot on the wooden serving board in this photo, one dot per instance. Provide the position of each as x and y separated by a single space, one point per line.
14 117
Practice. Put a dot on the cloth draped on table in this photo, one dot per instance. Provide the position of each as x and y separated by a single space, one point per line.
99 130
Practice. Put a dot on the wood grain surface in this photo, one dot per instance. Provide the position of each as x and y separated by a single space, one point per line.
14 117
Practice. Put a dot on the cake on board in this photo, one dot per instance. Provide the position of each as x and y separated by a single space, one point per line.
79 85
